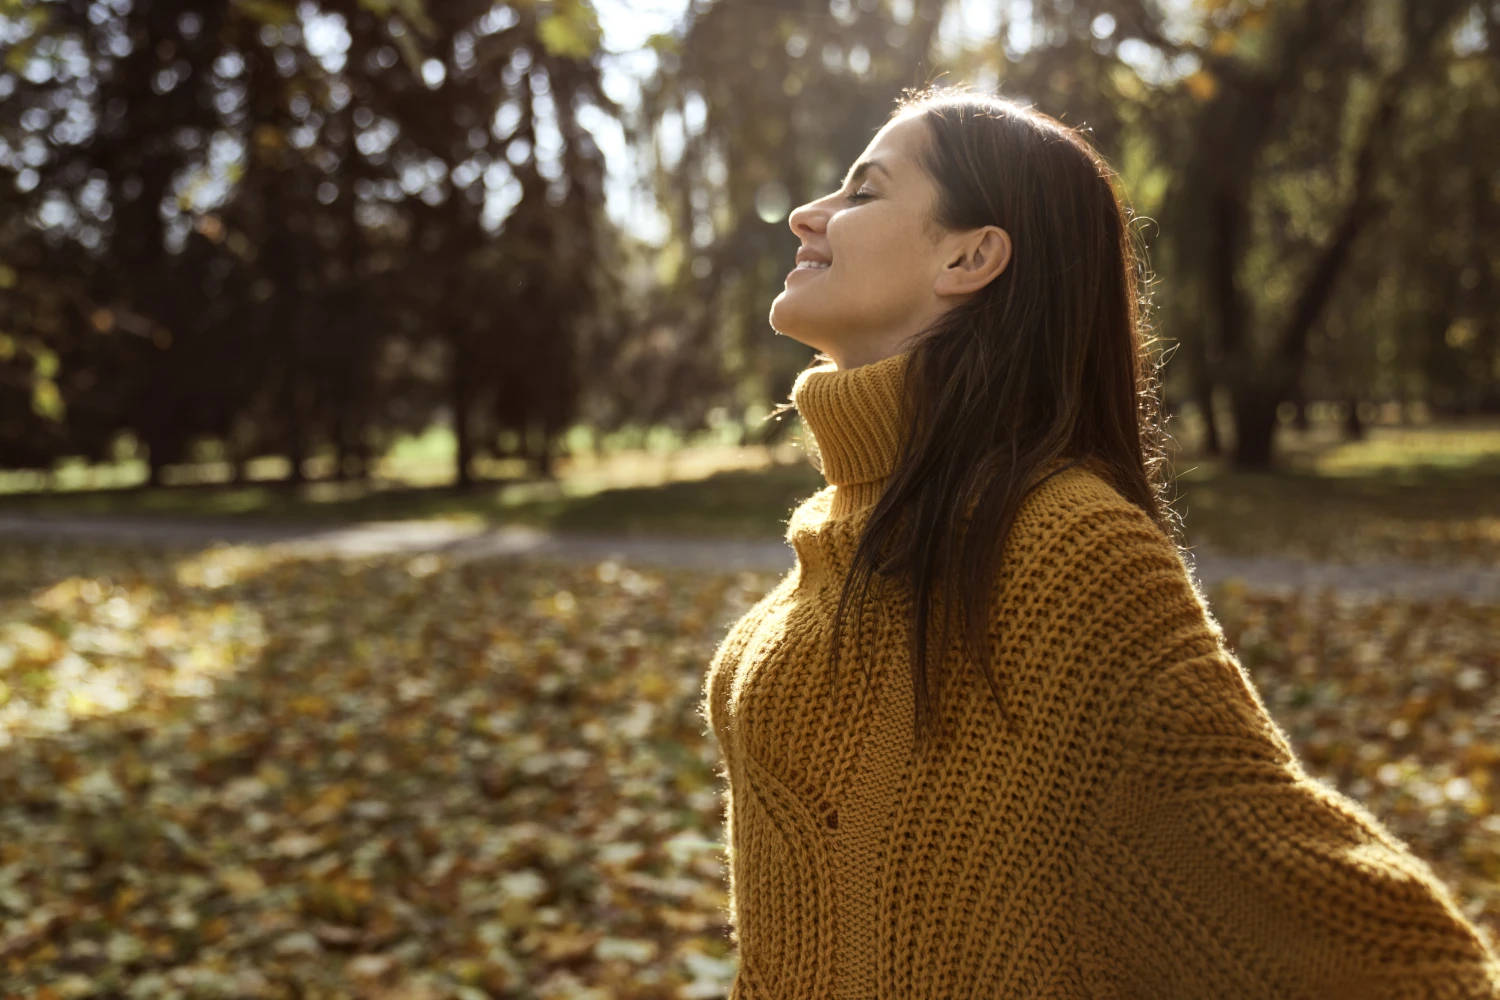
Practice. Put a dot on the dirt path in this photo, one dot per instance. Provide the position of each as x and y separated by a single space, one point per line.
464 542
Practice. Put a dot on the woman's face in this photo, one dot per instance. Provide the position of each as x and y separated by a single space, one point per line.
874 264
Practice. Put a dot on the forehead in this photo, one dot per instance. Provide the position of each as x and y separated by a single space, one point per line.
898 138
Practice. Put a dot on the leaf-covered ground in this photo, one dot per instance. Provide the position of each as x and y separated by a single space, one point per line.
233 776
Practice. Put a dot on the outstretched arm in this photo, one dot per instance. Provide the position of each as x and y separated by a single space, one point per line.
1219 868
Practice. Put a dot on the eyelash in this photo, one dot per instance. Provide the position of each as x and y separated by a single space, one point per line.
857 196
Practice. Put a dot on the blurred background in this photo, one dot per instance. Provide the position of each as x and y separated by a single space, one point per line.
384 443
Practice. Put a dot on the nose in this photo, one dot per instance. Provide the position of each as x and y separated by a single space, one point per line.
808 220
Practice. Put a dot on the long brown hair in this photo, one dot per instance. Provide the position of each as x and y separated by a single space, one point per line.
1047 364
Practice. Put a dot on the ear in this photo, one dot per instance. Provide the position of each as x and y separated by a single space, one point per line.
978 257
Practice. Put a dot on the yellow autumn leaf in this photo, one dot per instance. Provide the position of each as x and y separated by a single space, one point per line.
241 883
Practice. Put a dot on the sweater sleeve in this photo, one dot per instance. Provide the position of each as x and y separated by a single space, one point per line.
1220 868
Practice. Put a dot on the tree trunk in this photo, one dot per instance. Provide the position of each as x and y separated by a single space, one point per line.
1354 427
1204 393
340 451
1254 427
459 383
296 432
539 445
1259 386
155 463
1300 421
364 460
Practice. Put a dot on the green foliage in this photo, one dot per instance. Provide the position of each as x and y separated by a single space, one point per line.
46 401
570 30
272 12
1318 180
414 12
282 301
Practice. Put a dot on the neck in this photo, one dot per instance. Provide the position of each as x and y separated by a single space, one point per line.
854 417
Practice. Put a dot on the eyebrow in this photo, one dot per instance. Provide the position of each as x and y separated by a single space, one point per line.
863 167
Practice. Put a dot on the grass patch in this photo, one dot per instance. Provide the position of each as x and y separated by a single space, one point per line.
1427 493
1434 515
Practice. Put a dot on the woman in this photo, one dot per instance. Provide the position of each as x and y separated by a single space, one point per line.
1048 777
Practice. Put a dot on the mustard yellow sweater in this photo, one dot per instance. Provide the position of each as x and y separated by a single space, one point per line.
1146 832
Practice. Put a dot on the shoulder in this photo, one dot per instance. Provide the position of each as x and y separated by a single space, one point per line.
1080 549
1077 513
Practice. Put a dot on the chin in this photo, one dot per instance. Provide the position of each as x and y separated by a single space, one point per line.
789 319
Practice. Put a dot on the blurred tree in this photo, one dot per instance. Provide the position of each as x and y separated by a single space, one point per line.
510 306
101 168
1281 185
1279 132
251 223
297 227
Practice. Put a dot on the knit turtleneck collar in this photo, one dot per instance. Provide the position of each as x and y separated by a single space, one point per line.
854 417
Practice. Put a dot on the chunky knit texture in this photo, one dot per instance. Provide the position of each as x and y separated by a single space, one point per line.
1144 830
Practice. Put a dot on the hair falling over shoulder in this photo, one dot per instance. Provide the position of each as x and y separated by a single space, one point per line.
1047 366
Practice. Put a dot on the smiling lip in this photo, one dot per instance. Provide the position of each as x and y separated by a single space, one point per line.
805 270
809 256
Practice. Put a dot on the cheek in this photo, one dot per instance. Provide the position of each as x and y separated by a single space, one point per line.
878 253
880 276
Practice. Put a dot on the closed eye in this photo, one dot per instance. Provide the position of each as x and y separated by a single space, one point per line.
858 196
